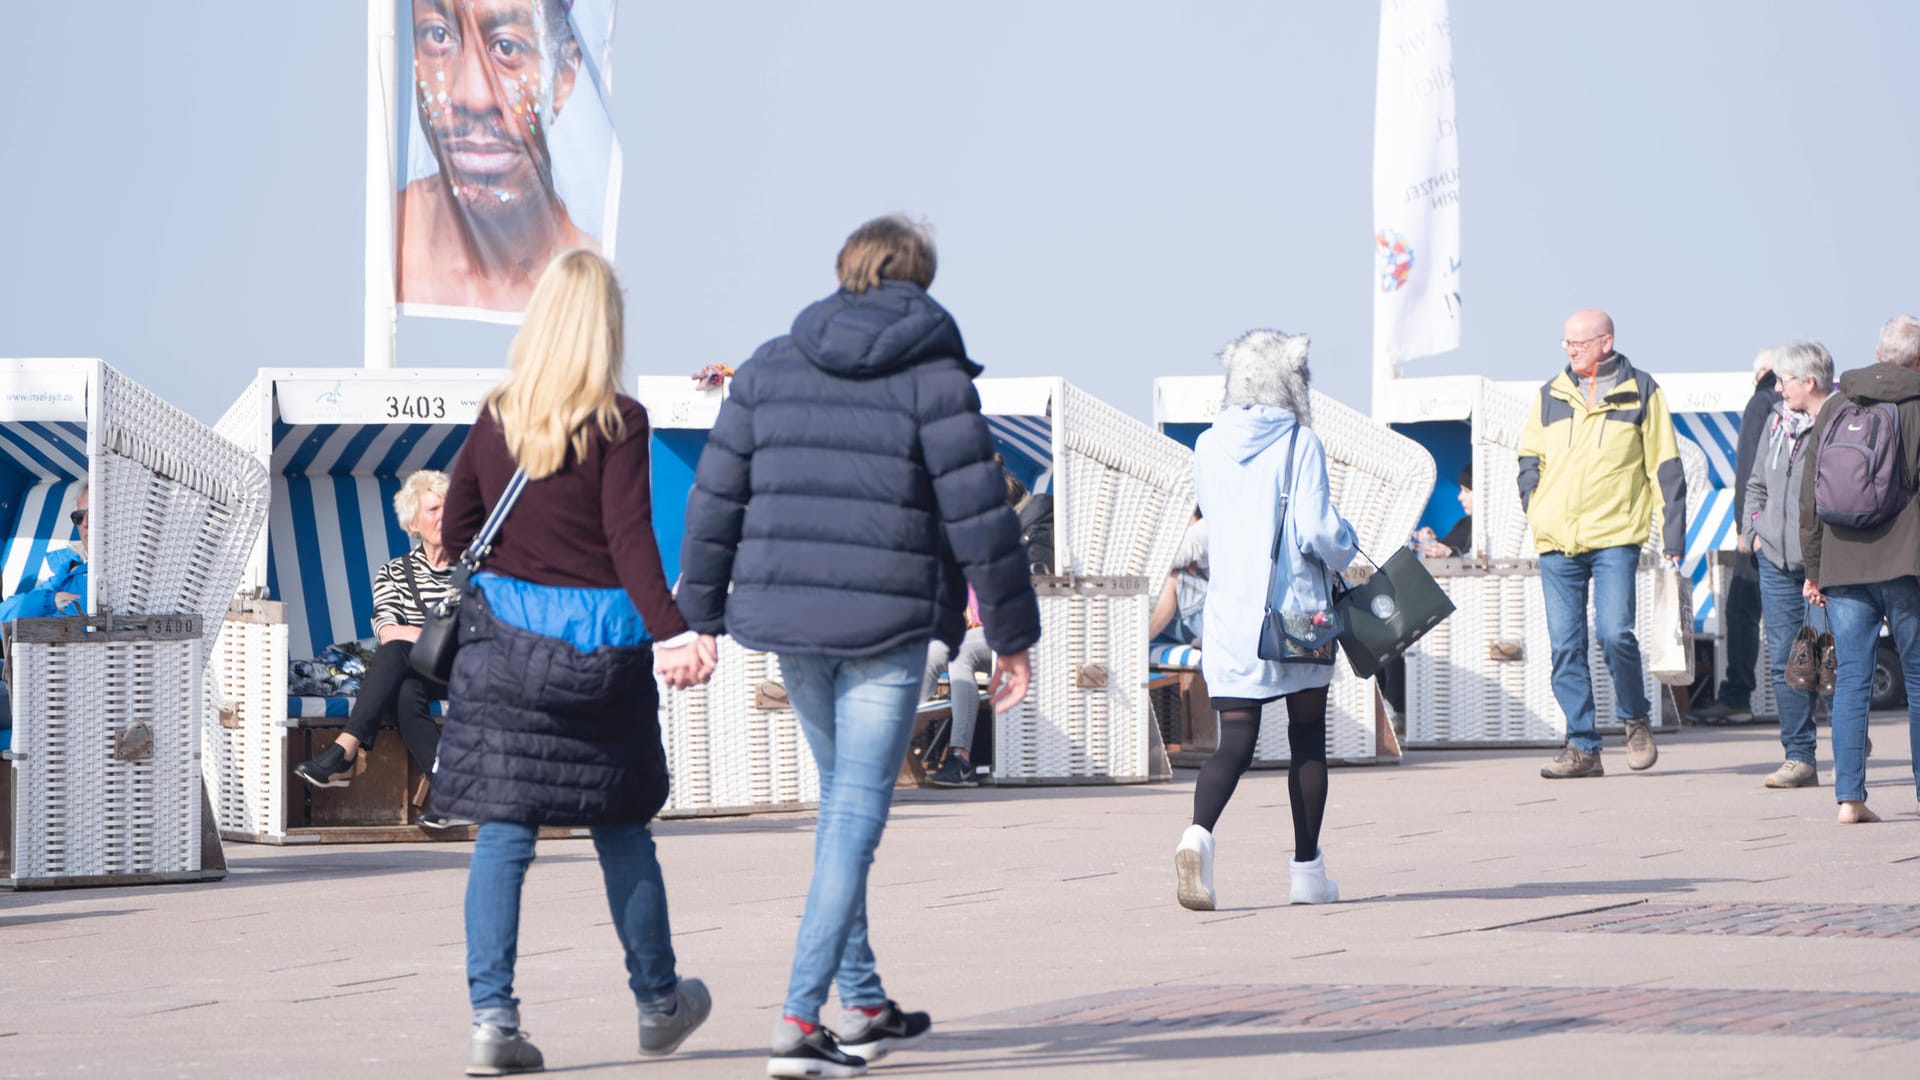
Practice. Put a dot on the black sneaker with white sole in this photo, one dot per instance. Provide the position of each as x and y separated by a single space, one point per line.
801 1055
871 1038
333 768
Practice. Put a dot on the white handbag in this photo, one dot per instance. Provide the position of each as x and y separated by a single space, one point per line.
1669 648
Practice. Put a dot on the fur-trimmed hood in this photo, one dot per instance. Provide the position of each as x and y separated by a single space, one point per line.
1269 367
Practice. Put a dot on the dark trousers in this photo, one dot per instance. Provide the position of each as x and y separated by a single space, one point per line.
1741 622
391 689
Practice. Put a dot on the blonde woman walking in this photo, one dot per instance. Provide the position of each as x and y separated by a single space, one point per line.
554 708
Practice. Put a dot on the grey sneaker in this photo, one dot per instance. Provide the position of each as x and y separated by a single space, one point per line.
802 1055
499 1051
1794 774
1641 753
1573 762
661 1035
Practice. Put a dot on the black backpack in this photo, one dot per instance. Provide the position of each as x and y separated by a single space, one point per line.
1036 533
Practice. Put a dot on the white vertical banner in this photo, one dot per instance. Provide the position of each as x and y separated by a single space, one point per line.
1416 190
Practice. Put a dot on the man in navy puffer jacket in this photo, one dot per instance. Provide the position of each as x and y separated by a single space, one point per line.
847 496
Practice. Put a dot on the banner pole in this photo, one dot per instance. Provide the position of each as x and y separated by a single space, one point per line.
382 183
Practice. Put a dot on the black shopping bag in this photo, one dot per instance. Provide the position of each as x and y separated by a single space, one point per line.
1384 615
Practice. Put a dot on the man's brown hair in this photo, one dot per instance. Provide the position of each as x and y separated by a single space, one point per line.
890 248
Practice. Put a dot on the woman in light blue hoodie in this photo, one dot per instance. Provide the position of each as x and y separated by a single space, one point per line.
1240 469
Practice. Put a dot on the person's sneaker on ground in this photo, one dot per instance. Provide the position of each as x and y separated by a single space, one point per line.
871 1036
1712 714
1641 753
802 1050
1794 774
954 773
662 1033
1573 762
1310 883
501 1051
331 769
1193 869
434 819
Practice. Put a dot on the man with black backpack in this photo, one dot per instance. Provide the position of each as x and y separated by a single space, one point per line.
1860 540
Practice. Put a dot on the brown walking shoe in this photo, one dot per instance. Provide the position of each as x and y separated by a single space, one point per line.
1572 763
1803 660
1829 663
1641 753
1794 774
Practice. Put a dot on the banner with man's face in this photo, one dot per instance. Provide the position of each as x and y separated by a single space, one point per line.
510 156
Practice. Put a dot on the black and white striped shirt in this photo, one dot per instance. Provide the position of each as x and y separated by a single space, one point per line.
393 599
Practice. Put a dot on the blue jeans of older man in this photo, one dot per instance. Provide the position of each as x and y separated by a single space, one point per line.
1785 612
858 716
1855 612
1564 581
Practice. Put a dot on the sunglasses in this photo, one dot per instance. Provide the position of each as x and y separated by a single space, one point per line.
78 517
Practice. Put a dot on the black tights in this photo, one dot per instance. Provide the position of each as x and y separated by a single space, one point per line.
1306 769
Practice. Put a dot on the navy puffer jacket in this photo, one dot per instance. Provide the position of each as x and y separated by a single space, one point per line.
848 492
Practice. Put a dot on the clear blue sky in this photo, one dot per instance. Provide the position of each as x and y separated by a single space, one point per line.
1118 187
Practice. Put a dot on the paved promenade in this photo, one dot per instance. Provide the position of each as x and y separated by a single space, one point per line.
1681 922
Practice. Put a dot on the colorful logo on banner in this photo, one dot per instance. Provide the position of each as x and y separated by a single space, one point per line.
508 154
1395 259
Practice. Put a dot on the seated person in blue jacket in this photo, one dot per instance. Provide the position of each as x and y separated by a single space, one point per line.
62 592
403 590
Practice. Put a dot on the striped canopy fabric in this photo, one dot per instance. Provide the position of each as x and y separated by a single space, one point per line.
1027 444
333 525
1717 434
42 468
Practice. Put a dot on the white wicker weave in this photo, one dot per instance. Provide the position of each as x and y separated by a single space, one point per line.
246 752
174 511
1086 716
754 759
80 815
1459 693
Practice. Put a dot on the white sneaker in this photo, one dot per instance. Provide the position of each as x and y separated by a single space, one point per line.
1193 869
1311 885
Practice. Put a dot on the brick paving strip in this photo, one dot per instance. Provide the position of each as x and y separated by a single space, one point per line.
1880 921
1396 1007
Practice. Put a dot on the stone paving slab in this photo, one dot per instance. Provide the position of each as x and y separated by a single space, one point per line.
1039 927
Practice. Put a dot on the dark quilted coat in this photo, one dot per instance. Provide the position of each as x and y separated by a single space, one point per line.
545 734
848 492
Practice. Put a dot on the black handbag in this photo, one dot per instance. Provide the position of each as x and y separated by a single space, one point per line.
440 633
1293 637
1383 616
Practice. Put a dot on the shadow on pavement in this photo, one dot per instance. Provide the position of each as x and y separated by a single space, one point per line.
1118 1044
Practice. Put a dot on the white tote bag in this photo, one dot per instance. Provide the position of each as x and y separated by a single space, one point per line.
1669 648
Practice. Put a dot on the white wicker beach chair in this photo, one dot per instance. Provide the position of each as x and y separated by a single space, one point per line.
337 444
174 510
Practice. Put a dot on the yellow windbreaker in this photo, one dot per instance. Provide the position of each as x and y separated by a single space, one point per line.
1589 470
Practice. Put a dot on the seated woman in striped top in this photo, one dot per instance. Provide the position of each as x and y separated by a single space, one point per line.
403 590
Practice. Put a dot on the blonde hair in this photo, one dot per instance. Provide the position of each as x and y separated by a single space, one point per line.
890 248
564 366
406 501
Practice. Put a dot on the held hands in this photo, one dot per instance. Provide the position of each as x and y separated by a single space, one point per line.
689 665
1011 674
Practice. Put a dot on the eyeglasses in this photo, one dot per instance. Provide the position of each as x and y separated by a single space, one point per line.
78 517
1582 343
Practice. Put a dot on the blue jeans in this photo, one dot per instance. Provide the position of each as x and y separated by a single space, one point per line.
1563 585
1785 611
1855 612
636 895
858 716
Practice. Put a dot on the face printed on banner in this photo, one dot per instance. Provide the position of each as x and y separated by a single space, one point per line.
491 76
